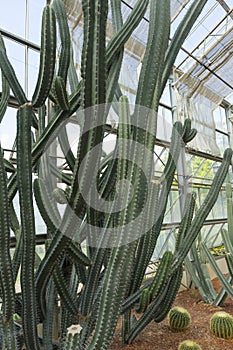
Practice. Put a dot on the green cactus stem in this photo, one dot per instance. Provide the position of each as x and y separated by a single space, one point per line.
64 57
221 324
179 319
24 176
47 57
60 93
9 73
189 345
6 275
72 339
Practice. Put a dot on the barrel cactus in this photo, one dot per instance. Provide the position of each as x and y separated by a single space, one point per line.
221 324
189 345
179 318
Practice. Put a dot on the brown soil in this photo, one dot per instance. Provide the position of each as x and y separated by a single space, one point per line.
158 336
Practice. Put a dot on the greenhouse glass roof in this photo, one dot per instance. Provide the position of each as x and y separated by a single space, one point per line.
205 62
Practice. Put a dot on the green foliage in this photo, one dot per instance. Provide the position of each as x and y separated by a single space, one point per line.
202 169
179 319
189 345
221 324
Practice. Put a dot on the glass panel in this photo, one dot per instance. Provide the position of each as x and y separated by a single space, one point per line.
220 118
8 130
12 16
212 235
33 69
35 15
200 169
166 98
164 124
222 141
16 55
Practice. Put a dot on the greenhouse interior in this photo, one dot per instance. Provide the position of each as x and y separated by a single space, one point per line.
116 182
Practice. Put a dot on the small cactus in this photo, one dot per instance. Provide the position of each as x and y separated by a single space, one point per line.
221 324
59 195
189 345
179 318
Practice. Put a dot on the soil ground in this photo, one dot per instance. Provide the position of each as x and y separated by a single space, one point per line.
158 336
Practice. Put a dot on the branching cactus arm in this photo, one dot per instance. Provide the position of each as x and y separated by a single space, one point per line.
24 175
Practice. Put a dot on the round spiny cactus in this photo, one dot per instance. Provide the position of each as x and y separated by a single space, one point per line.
221 324
189 345
178 318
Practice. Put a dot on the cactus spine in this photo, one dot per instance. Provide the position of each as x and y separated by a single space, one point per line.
189 345
179 318
221 324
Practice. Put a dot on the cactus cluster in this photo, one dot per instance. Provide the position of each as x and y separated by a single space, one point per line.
199 271
189 345
97 282
179 318
221 324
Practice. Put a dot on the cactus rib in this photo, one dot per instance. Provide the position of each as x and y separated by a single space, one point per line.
221 324
7 281
47 57
179 318
64 57
144 301
60 93
61 286
24 176
162 274
155 50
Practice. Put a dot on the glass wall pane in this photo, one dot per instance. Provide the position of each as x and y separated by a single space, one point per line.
33 70
222 141
8 130
220 118
12 16
16 55
35 9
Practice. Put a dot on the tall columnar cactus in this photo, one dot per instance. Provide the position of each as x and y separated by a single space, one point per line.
189 345
179 318
201 255
97 283
221 324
